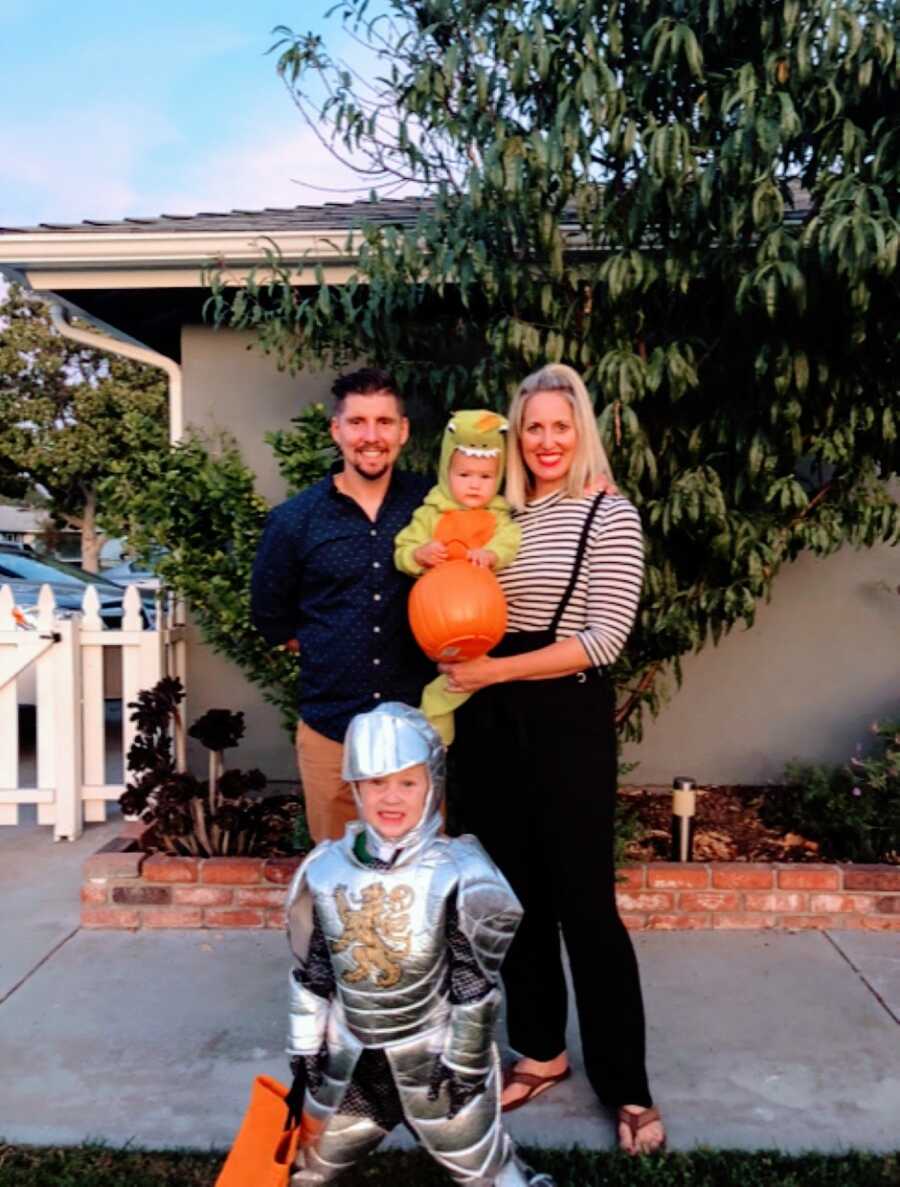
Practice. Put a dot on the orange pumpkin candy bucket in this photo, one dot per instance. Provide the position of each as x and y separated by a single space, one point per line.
457 611
264 1150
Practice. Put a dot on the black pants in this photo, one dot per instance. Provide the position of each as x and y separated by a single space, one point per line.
534 775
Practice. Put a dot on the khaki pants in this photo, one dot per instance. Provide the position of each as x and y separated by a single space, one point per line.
328 797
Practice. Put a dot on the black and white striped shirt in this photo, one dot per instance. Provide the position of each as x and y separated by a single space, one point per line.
604 602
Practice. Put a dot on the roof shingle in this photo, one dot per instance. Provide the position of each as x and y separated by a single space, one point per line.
327 217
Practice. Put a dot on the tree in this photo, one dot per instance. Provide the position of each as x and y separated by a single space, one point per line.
196 501
696 205
67 413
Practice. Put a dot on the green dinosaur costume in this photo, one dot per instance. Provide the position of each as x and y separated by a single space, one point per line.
477 433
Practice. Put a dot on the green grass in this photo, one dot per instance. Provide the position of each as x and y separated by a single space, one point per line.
102 1166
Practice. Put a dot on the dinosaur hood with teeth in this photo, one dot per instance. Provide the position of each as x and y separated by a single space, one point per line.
477 433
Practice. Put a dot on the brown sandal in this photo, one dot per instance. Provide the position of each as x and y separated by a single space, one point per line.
535 1085
635 1122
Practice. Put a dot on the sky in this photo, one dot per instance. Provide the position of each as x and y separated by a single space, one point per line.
111 108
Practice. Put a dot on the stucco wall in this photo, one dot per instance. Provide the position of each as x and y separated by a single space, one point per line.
822 660
228 386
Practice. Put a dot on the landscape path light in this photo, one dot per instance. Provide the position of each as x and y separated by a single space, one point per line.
684 808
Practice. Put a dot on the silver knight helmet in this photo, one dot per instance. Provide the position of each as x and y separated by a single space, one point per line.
394 737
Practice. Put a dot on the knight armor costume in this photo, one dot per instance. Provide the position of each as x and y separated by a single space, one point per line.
395 995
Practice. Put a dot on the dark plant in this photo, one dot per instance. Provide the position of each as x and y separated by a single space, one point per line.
853 810
218 729
223 815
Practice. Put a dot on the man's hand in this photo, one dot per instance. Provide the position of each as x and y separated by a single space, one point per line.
297 1090
460 1089
292 645
430 554
482 557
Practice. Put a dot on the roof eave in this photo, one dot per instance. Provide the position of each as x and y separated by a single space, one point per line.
81 259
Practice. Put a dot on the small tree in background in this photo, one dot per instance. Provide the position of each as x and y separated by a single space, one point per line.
197 501
695 205
67 415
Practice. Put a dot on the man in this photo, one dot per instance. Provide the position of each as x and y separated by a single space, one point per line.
324 585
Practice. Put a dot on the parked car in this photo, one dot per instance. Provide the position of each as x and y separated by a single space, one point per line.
25 573
134 572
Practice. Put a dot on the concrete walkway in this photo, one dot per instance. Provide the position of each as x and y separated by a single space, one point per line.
756 1039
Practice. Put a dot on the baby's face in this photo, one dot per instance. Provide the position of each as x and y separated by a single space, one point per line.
472 480
393 804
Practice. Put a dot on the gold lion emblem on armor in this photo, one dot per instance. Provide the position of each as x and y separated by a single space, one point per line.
376 932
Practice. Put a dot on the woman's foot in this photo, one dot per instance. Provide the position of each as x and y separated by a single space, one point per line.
641 1130
532 1071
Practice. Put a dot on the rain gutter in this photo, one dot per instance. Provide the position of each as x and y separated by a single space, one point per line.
129 350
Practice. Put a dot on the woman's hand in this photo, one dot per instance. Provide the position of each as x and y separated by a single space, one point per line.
472 674
484 558
606 485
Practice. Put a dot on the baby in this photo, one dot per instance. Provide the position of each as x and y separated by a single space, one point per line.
399 933
463 518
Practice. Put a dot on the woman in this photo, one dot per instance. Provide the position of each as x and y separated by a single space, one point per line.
535 755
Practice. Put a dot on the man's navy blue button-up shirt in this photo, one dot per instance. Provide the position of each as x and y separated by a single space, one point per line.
324 574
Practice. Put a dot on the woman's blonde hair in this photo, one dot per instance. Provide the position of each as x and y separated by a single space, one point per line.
590 461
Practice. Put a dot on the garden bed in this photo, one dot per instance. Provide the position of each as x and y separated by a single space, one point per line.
727 827
126 888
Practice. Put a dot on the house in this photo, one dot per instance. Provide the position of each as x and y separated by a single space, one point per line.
21 525
27 526
821 661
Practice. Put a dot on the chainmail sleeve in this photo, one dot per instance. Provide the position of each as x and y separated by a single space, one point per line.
466 982
311 979
317 974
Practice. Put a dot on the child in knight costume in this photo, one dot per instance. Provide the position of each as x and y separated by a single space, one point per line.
398 932
463 518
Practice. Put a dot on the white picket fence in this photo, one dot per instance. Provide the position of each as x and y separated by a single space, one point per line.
68 667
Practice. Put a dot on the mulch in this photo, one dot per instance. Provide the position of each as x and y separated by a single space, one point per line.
727 827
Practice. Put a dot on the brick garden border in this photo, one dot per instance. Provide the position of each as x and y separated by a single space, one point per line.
125 888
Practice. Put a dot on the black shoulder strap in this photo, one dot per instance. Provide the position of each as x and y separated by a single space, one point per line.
576 567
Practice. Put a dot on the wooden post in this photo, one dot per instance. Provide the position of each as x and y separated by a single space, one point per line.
47 709
132 624
9 717
93 694
178 667
67 740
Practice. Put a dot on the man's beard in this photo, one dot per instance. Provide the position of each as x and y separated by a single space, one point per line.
368 476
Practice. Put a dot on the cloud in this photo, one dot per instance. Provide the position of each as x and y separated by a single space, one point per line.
108 161
265 168
80 164
88 167
271 157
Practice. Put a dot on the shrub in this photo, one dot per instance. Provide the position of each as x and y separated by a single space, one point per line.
853 811
221 816
196 503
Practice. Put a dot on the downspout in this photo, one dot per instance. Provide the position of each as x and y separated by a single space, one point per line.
141 354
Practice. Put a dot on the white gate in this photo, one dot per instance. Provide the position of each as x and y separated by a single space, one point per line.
66 671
